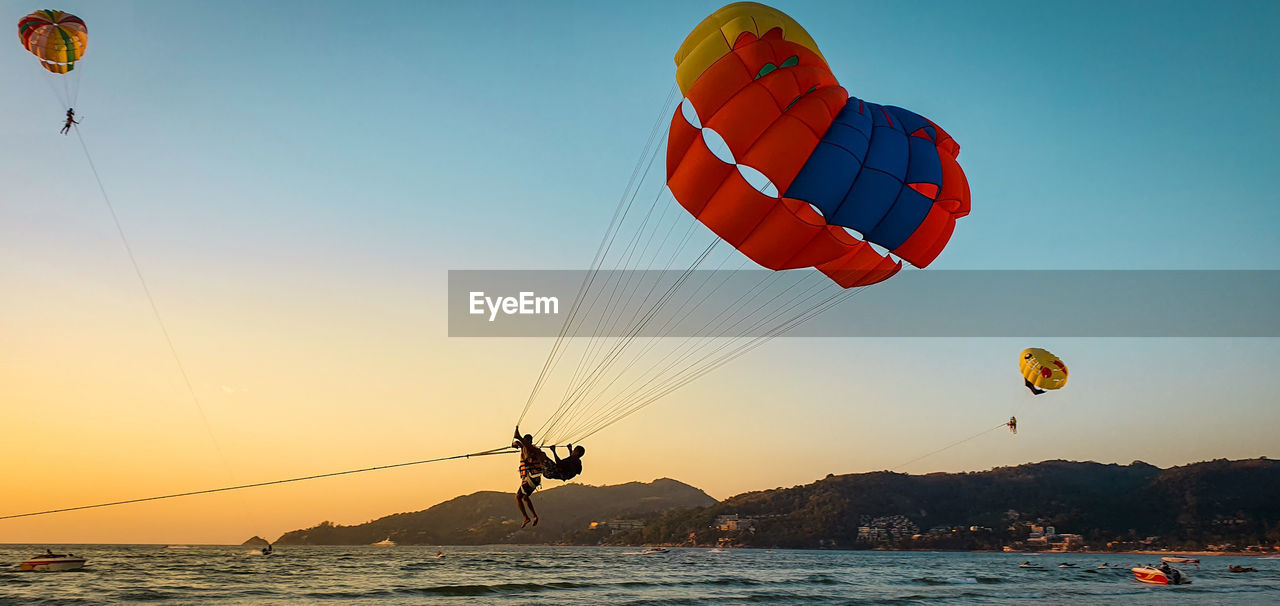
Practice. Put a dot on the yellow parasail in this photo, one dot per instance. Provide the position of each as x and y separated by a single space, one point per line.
1042 370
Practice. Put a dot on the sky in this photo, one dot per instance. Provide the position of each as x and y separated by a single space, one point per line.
296 180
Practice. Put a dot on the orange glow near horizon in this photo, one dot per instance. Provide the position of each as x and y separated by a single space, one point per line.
98 413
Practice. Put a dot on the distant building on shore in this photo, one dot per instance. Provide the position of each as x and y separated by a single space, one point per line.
885 529
734 522
1046 538
616 526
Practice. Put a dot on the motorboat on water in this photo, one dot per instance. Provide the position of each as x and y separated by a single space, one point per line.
1066 565
53 562
1181 560
387 542
1235 568
653 550
1030 565
1156 576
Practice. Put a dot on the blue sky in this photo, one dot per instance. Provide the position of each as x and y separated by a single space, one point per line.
342 158
1111 134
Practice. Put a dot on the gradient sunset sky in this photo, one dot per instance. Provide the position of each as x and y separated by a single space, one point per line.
296 178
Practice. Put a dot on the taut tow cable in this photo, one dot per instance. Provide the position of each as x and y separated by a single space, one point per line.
503 450
948 446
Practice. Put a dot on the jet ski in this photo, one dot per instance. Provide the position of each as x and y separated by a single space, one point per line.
1155 576
53 562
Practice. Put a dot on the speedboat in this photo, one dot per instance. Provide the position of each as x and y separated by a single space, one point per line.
387 542
53 562
1181 560
1030 565
1066 565
1235 568
653 550
1155 576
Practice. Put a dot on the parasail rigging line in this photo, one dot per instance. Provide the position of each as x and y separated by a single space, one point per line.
613 310
674 320
610 407
588 405
624 204
732 355
576 394
631 334
613 313
613 406
146 289
503 450
952 445
616 287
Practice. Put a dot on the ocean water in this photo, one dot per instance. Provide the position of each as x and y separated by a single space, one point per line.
156 574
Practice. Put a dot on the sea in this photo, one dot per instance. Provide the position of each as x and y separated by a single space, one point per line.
526 575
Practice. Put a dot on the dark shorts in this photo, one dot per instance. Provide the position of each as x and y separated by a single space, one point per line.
528 484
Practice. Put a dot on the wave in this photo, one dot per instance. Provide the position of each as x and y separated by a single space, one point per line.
960 580
146 595
821 579
475 590
817 579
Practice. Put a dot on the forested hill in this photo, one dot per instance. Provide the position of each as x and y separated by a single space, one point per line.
491 517
1191 506
1188 507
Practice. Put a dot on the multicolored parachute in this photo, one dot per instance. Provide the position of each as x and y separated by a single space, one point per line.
57 38
850 173
1042 370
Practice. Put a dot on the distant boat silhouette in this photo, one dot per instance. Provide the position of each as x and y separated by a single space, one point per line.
387 542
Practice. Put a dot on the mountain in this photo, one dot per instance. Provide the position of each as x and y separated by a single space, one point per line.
491 517
1127 506
1185 507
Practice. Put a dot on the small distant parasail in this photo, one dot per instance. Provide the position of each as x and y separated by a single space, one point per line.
58 39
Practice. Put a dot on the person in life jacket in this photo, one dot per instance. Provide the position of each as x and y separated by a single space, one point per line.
533 462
